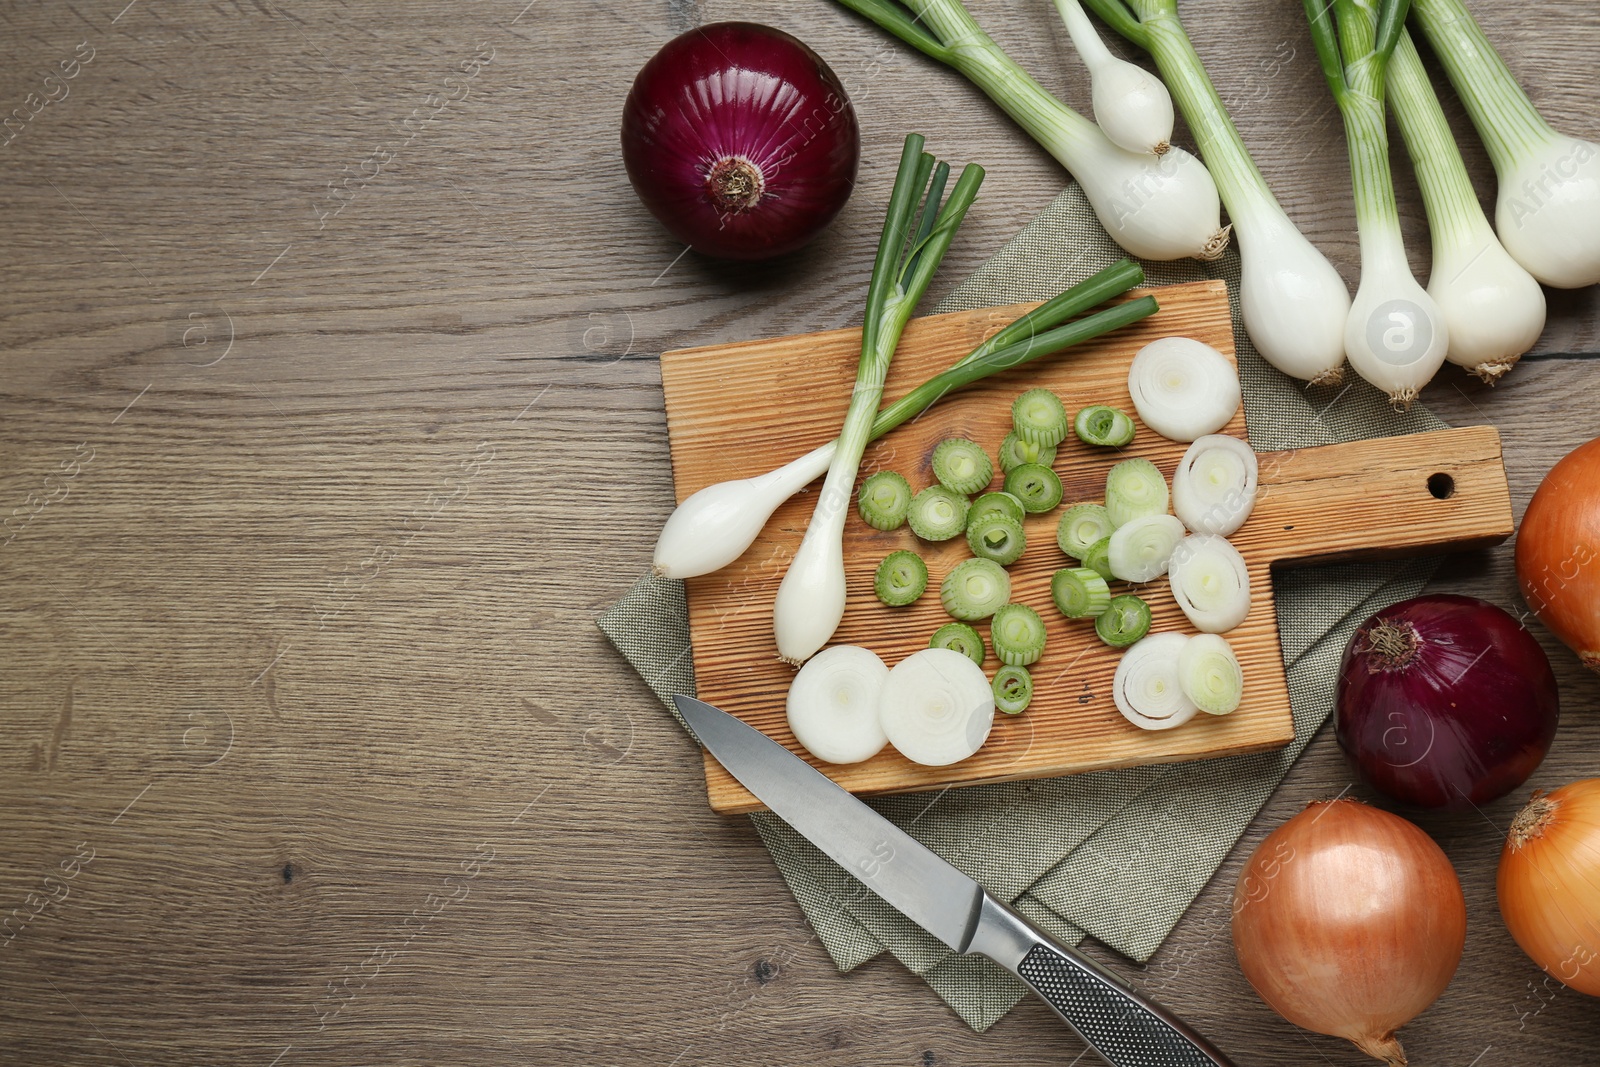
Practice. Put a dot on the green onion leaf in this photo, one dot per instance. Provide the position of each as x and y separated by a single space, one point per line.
901 578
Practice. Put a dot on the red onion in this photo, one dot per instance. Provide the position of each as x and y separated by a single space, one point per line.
740 140
1445 700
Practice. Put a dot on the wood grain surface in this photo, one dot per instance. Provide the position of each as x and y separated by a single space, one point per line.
329 397
737 411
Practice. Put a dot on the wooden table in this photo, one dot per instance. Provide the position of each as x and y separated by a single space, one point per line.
331 416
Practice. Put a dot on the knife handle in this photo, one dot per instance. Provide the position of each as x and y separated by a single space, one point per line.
1123 1027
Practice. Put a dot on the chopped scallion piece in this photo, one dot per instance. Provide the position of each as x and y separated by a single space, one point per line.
901 578
1081 526
1125 620
1105 427
1018 635
1037 486
1079 592
1038 418
1134 488
1210 675
959 637
975 589
1014 452
937 514
884 500
1013 689
961 466
1000 503
997 537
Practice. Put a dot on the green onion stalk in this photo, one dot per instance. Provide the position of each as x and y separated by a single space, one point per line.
1548 208
1493 308
1395 335
1157 207
1292 300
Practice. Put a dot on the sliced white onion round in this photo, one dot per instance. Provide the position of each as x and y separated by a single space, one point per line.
1210 582
1182 388
1146 687
1214 487
833 704
1140 548
936 707
1210 674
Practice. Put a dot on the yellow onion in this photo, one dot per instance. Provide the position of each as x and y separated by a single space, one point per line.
1558 552
1549 883
1349 921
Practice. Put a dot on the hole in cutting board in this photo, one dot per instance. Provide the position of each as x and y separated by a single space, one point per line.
1442 486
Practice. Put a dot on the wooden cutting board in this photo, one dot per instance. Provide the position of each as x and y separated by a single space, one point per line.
738 410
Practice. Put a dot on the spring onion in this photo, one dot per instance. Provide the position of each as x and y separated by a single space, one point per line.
1013 689
961 466
1140 548
1037 486
1000 503
1135 488
1210 582
1183 388
901 578
1018 635
884 500
1014 452
1146 687
1395 336
1125 620
1080 593
997 537
715 525
1103 427
1493 309
1548 209
959 637
811 597
1098 558
1215 485
1210 675
936 707
1292 300
1038 417
833 704
1081 526
937 514
1130 104
975 589
1157 207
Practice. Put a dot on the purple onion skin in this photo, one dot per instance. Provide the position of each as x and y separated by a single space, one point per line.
1444 701
740 140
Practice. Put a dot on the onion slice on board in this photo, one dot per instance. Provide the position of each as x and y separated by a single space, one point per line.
1183 388
1146 687
1214 488
833 704
1210 582
936 707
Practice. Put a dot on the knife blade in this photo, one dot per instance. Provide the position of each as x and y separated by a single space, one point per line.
1122 1026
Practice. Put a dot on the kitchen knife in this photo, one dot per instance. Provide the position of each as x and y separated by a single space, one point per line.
1122 1026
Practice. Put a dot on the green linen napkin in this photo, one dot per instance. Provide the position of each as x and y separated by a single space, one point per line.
1119 854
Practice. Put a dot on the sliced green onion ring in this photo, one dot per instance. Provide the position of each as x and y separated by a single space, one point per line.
997 503
1210 674
975 589
1038 417
1215 485
937 514
1140 549
1210 582
1013 689
1037 486
959 637
1014 452
1079 592
884 500
1125 620
1146 687
997 537
1098 558
901 578
961 466
1103 427
1135 487
1018 635
1081 526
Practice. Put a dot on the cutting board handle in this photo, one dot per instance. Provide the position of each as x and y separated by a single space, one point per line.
1391 496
